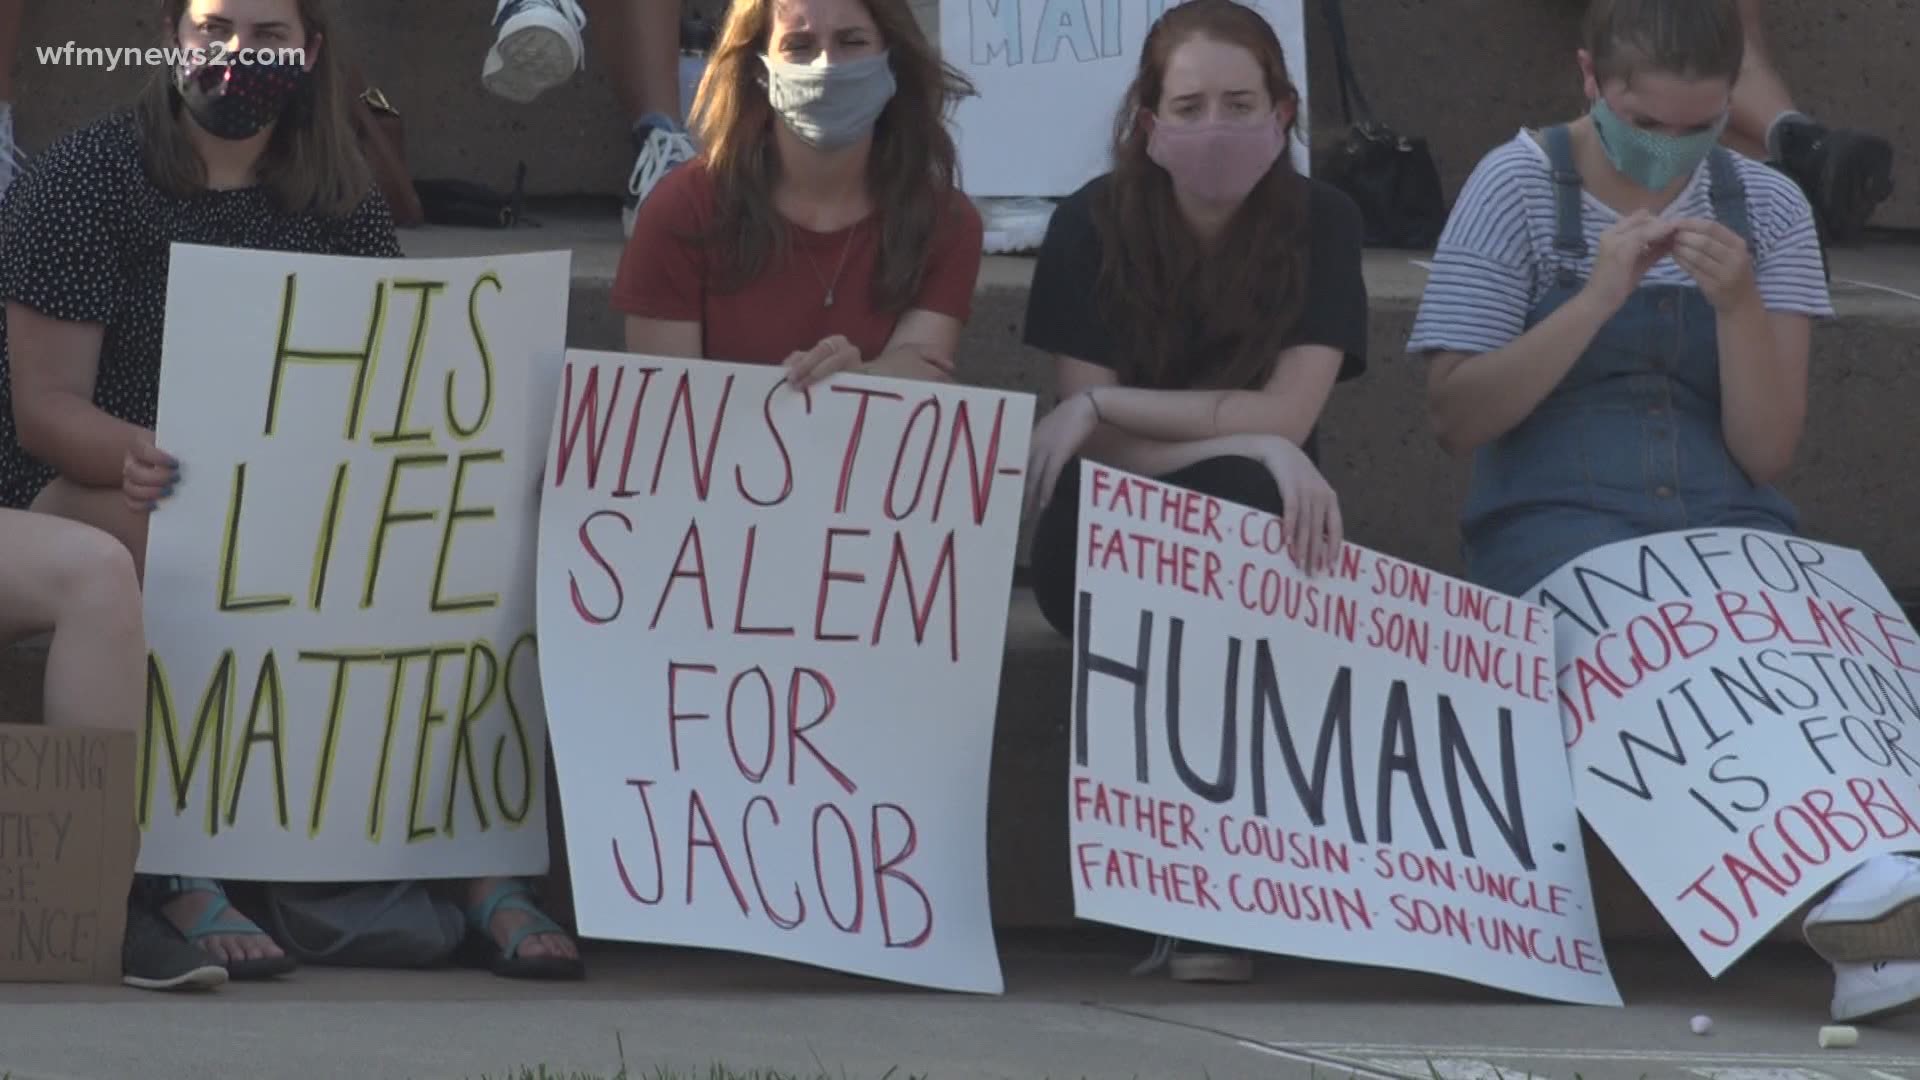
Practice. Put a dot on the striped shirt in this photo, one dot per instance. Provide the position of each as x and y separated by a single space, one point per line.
1495 259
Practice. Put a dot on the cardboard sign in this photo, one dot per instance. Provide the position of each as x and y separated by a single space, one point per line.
344 679
1743 721
66 852
1051 75
775 625
1360 765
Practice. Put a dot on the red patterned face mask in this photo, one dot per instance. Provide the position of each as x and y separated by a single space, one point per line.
235 100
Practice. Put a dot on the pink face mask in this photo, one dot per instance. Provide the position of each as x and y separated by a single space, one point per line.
1217 162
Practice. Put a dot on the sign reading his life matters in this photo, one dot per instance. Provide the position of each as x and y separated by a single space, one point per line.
344 675
1051 76
1361 764
1742 719
774 624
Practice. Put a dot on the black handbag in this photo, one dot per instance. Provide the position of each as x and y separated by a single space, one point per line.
1392 177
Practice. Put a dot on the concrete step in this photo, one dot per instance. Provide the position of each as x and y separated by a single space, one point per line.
1849 60
1399 492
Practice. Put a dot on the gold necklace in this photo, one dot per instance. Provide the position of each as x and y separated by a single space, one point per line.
845 247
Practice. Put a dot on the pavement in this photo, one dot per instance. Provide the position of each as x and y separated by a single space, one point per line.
1071 1012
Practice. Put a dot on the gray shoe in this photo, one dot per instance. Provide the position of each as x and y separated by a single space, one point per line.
155 956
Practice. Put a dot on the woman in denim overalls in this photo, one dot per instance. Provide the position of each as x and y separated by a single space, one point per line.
1618 323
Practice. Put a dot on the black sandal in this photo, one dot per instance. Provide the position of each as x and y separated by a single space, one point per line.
210 925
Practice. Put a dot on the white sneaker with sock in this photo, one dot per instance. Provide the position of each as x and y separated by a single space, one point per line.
1872 914
664 149
1867 991
12 160
537 45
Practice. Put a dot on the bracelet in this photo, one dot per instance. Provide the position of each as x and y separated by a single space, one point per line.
1094 401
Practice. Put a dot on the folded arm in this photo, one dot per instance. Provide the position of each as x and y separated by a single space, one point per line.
922 347
53 365
1157 426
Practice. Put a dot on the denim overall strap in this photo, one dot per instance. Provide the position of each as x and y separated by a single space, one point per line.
1569 238
1729 194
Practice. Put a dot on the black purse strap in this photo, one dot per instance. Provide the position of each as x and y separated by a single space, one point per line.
1343 60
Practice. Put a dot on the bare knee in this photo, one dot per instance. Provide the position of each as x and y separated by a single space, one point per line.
96 578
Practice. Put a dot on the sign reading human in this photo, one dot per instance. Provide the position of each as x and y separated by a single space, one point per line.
343 681
774 624
1362 763
1741 715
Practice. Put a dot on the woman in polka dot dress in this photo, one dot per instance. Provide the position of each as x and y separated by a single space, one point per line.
253 156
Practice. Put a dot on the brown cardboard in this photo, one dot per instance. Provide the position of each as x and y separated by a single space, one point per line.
66 852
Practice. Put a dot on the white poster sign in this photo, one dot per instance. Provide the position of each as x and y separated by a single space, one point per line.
1743 721
1361 764
343 678
775 623
1051 75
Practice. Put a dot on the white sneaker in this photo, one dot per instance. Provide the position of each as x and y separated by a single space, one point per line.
1867 991
1871 914
664 149
537 45
12 160
1200 964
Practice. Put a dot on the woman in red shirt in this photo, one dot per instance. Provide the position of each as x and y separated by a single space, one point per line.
821 227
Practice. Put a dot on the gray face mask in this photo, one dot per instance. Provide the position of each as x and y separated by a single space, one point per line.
833 105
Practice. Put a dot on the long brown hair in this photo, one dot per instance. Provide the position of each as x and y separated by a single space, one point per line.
912 174
312 163
1156 281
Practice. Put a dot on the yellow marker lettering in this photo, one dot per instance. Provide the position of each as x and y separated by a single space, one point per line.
376 811
230 555
389 517
520 739
216 709
422 752
470 711
422 316
323 546
323 777
486 363
266 688
456 514
365 362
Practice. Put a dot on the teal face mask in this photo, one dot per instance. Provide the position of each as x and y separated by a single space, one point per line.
1649 158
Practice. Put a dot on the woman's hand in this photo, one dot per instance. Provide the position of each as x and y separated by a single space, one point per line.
1718 260
147 474
1310 510
1627 251
1056 439
834 353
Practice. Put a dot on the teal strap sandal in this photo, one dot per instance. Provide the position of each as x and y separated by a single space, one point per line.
508 962
213 923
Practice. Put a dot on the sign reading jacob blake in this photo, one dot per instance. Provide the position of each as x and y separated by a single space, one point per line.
774 627
1362 765
343 680
1055 71
1750 699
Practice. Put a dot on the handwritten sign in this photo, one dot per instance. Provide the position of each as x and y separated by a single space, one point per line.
66 853
1051 76
344 678
1742 719
1358 765
775 627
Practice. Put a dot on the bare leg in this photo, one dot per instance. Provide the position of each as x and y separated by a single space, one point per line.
107 511
640 40
1845 174
1761 95
78 582
102 508
12 14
